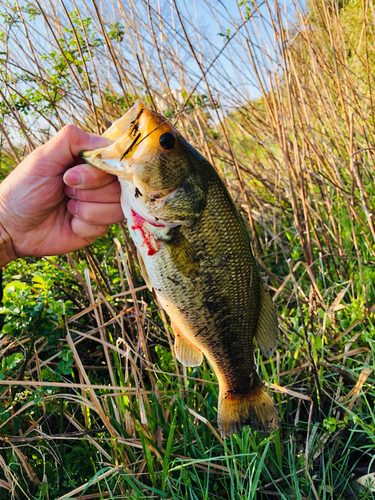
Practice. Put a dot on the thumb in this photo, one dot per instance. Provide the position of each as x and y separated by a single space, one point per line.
62 151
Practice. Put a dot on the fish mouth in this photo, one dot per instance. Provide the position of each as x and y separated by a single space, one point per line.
143 142
134 142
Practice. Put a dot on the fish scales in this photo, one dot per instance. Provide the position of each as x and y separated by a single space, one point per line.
225 283
194 250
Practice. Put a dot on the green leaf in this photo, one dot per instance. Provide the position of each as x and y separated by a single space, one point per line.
166 461
15 285
93 479
255 482
346 223
318 342
39 279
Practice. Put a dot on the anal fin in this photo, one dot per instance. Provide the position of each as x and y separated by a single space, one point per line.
186 352
267 329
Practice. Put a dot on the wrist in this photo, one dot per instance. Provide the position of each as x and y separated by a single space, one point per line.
7 252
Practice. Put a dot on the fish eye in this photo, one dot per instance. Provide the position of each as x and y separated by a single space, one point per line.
167 140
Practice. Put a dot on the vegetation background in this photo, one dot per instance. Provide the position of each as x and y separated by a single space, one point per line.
280 97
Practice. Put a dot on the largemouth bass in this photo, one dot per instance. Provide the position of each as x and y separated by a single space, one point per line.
194 251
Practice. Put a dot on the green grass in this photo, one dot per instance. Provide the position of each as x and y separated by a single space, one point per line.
167 452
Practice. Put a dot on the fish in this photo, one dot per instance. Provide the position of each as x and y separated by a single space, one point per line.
194 250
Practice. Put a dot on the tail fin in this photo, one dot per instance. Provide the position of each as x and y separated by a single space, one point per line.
256 408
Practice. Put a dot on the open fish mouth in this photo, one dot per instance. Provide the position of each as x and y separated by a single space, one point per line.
134 142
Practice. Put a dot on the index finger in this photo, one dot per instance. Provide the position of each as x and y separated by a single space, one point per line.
87 177
63 150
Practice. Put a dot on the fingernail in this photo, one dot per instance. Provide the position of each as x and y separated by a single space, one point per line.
70 191
72 178
97 141
73 207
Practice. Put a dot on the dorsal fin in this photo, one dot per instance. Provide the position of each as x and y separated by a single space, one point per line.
267 329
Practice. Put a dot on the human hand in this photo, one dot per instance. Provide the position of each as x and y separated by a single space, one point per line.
50 204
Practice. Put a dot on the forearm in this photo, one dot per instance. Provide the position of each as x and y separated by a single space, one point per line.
7 253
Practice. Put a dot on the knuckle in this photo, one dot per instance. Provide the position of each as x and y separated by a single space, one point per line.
93 176
82 194
90 240
72 134
85 212
120 214
102 230
97 231
77 228
88 231
89 213
69 130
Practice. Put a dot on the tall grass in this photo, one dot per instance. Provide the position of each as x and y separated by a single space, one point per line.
94 403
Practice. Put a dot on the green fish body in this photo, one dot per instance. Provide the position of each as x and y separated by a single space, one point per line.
194 251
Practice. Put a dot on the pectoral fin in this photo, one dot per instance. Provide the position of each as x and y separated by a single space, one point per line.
183 254
267 329
186 353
